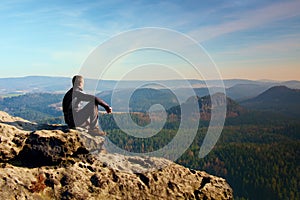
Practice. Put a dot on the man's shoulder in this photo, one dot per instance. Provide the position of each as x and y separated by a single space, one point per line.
69 92
78 92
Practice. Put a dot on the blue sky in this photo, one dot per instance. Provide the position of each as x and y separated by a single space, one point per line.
245 39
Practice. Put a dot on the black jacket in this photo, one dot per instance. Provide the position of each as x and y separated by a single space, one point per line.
73 98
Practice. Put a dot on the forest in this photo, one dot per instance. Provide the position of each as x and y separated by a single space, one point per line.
259 160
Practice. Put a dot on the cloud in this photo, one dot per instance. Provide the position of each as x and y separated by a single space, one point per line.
286 44
250 19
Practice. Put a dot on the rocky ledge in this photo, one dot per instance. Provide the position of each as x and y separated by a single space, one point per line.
48 162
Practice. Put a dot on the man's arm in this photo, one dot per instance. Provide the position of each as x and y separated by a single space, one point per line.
103 104
88 97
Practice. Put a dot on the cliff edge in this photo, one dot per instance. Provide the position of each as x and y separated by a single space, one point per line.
48 162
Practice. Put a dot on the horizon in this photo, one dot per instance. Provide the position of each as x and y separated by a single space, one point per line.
244 79
254 40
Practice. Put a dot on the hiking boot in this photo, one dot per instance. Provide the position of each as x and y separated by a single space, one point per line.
96 132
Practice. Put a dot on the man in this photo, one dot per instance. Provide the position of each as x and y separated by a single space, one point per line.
85 117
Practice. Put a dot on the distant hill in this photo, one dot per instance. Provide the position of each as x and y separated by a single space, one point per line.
33 106
45 84
204 103
279 99
22 85
245 91
291 84
141 99
30 84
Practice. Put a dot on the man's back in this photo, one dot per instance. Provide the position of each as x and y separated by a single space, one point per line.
67 101
67 108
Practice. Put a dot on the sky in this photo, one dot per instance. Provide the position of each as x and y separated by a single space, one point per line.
257 40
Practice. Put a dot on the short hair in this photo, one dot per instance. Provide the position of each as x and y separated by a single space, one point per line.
76 80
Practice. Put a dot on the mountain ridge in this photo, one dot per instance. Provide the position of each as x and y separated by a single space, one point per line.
205 106
21 85
279 99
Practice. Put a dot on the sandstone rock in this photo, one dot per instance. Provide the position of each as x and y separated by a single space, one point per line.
11 140
52 164
48 147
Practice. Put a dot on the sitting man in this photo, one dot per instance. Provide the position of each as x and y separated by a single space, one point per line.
85 117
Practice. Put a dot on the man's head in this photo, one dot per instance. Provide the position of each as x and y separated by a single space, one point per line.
78 81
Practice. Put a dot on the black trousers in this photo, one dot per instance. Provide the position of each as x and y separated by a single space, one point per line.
87 117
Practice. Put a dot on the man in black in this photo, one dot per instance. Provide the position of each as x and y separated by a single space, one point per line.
85 117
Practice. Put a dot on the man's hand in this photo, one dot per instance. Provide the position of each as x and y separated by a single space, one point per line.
109 110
